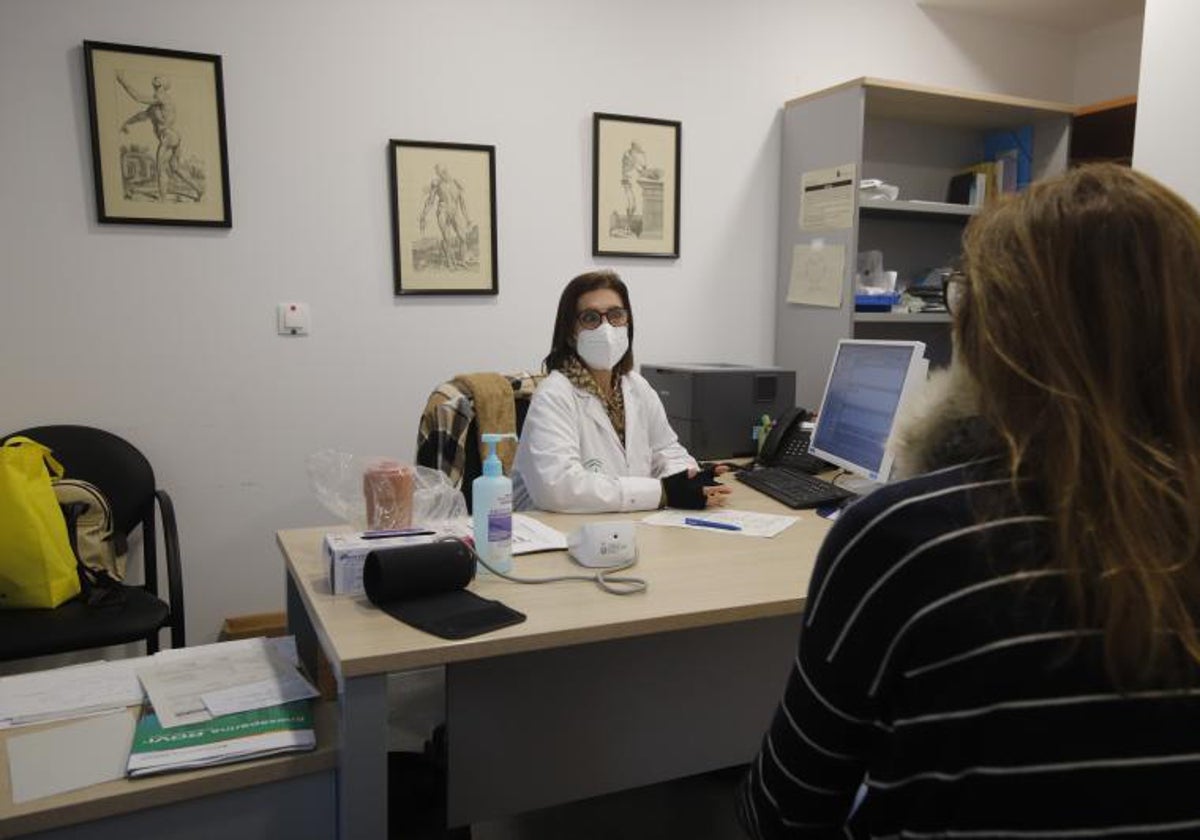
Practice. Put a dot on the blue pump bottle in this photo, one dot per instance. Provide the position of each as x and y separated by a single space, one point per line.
491 501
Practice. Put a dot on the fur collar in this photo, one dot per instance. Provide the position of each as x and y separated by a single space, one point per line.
942 426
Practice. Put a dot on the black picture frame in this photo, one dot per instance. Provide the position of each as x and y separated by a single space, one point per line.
454 186
636 167
159 151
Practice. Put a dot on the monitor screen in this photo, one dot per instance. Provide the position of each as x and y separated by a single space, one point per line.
868 382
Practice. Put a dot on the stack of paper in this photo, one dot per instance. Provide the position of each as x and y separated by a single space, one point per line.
69 692
217 704
221 703
194 685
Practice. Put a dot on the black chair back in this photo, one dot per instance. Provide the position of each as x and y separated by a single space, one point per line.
125 477
113 464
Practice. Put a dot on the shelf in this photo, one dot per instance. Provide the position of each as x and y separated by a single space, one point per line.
914 136
916 210
902 317
944 106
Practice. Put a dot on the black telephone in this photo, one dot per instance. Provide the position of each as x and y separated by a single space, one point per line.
787 444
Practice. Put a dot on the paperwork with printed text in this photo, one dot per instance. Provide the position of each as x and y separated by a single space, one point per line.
752 524
530 536
72 691
176 684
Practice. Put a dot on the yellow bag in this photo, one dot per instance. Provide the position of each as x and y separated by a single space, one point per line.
37 566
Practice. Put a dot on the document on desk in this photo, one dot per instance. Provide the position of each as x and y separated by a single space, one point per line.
69 757
747 523
530 536
258 695
72 691
178 683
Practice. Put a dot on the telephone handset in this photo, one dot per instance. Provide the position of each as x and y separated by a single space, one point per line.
787 444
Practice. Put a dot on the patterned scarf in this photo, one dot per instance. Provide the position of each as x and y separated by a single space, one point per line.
614 404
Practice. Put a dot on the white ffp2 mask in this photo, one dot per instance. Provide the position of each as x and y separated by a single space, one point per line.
602 347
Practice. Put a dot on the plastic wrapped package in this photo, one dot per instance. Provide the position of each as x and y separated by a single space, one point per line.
371 491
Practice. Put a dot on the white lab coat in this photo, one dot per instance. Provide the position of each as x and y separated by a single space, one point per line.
569 458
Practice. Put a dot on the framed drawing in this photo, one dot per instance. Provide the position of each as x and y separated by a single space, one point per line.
158 135
443 218
635 186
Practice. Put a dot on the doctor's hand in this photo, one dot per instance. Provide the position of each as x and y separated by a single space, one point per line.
716 495
694 489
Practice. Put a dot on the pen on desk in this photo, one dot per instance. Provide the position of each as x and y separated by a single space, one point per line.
711 523
397 532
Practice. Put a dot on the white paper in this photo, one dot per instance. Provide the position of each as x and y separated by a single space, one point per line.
530 536
752 524
284 646
827 198
175 683
817 274
72 691
69 757
258 695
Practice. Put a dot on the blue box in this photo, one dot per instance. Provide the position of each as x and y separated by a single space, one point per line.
876 303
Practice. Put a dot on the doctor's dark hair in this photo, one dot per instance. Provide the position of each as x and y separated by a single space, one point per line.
562 345
1080 322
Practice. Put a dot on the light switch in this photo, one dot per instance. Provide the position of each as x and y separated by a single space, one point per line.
293 319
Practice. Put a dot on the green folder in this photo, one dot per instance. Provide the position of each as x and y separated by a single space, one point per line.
237 737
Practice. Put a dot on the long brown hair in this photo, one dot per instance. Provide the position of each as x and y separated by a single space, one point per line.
562 343
1081 323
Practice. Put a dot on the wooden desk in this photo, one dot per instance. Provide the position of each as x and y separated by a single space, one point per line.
284 796
593 692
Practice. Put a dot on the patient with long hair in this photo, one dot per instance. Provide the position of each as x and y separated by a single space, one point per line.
1005 644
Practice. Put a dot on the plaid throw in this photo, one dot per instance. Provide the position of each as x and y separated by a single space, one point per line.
442 433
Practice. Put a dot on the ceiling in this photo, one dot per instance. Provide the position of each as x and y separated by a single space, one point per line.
1068 15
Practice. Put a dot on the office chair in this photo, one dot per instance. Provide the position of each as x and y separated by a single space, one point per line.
125 477
450 442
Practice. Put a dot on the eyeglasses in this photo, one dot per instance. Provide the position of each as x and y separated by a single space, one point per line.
589 319
954 289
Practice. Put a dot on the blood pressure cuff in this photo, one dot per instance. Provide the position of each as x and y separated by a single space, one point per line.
424 586
686 492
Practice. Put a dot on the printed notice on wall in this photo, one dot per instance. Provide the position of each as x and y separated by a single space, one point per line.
817 271
827 198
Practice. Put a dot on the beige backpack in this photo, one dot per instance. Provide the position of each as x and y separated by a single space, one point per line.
93 540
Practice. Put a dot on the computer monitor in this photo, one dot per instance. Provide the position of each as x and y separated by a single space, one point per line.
868 383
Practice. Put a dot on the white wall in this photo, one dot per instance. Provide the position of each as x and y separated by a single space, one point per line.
166 336
1107 59
1168 121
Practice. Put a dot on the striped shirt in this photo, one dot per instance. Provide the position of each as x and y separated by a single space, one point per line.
940 670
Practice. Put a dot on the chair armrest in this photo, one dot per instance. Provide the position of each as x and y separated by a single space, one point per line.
166 510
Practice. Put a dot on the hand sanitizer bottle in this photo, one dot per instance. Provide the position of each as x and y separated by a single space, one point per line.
491 512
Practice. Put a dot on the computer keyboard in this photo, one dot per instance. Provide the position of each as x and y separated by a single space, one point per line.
792 487
805 462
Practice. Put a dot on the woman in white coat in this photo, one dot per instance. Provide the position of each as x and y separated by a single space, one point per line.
596 438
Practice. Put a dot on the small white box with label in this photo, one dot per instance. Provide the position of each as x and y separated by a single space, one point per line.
346 553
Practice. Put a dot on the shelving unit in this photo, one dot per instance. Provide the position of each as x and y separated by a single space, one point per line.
1104 132
916 210
901 318
915 137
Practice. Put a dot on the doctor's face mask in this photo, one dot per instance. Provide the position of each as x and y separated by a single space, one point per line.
601 348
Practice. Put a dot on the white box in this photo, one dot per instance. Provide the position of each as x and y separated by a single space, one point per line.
346 552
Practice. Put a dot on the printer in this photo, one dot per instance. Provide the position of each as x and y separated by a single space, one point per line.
715 408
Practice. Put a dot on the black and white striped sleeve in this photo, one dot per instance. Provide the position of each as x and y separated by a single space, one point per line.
813 757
